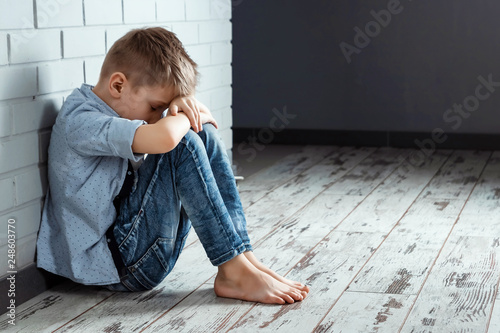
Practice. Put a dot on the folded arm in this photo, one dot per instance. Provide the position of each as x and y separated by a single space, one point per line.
164 135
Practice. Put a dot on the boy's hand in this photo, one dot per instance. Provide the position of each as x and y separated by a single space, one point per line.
191 107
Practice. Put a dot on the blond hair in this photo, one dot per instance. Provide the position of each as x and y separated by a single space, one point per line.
152 57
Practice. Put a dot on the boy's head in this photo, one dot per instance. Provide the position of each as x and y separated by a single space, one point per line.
152 57
143 71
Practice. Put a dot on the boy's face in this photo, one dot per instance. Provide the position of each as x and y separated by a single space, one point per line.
143 103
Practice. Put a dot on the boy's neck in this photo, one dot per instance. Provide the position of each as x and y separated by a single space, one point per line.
101 92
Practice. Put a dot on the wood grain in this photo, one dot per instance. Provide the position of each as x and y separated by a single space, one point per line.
56 307
401 264
460 291
256 186
387 242
366 313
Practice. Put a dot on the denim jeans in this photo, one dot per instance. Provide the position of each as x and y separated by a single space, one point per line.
191 185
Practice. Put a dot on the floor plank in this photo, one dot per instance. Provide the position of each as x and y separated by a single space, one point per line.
460 291
55 308
366 312
388 203
401 264
256 186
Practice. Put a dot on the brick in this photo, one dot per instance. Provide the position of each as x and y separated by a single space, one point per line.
212 77
200 54
6 194
204 97
83 42
197 10
25 251
5 121
60 76
223 117
103 12
44 138
27 219
220 98
228 115
17 82
40 46
221 53
4 56
227 75
219 117
22 151
186 32
211 32
139 11
35 115
31 185
93 70
221 9
113 34
227 137
170 10
3 249
16 14
59 13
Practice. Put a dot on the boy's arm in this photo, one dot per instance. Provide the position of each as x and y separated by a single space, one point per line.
162 136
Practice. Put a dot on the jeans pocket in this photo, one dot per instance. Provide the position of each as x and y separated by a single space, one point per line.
155 264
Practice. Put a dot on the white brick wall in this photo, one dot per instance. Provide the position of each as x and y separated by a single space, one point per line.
50 47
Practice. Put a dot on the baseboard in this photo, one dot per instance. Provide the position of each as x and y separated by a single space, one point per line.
29 282
258 136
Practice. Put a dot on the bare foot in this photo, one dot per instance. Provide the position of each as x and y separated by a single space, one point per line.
240 279
253 259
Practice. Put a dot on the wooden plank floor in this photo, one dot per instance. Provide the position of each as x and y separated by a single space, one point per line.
387 240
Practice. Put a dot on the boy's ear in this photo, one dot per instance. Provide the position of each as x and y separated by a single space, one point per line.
117 81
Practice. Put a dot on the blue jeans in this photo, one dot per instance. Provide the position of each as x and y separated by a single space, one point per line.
192 184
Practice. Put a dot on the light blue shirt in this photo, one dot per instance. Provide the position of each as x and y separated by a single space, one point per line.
89 151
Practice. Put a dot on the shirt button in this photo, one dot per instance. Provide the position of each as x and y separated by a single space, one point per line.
129 173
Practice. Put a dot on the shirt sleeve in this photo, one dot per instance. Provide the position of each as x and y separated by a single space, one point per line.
90 132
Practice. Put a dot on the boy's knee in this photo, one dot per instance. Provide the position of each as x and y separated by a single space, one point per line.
210 133
209 137
193 138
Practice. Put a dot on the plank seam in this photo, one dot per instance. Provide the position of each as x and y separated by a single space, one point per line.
381 243
442 247
81 314
335 150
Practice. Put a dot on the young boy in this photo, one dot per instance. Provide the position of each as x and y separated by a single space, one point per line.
115 219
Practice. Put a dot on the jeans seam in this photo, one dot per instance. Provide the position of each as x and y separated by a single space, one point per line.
193 155
145 200
238 250
132 228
